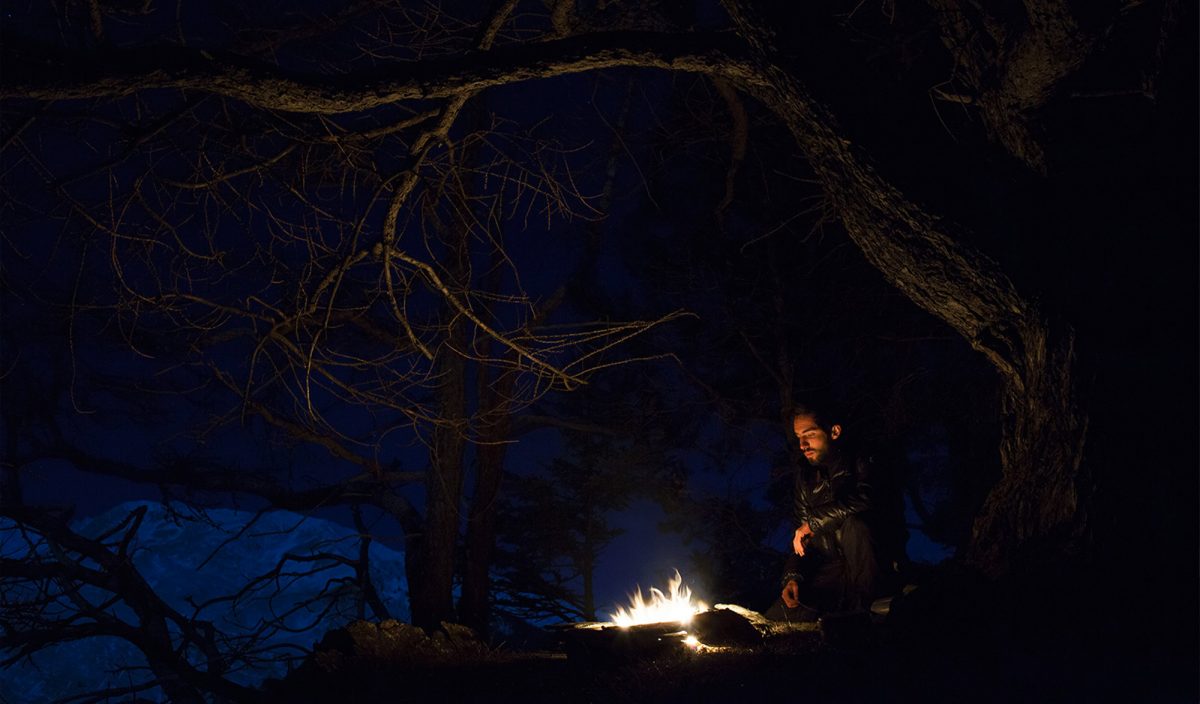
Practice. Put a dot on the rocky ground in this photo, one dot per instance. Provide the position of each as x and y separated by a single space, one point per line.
988 659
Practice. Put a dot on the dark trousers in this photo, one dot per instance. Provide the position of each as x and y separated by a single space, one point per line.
843 581
861 563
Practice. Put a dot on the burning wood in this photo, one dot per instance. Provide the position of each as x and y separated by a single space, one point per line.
673 606
670 620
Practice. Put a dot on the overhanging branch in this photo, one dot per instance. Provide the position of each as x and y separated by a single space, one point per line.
120 73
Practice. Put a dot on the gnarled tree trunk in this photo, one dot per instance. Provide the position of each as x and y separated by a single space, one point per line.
1037 500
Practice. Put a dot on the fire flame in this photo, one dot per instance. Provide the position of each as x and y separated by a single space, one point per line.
674 605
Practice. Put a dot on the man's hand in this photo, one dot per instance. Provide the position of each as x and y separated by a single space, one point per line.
802 534
791 594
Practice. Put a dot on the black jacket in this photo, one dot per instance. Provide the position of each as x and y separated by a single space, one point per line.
824 497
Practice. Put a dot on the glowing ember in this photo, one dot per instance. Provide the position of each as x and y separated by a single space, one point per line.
675 605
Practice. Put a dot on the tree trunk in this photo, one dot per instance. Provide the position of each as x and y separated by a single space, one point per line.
589 595
165 668
475 604
1036 507
431 587
1037 502
368 594
587 572
431 582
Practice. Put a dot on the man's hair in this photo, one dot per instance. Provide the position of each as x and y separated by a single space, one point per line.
824 411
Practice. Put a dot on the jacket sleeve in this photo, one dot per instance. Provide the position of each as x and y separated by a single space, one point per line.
851 495
800 514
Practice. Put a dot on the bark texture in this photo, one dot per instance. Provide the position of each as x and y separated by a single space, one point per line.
1012 58
116 74
1037 498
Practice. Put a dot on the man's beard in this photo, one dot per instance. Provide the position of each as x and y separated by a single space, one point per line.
822 458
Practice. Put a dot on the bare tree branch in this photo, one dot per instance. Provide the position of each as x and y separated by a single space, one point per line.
123 73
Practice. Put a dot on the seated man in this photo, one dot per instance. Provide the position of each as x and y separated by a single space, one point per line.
847 533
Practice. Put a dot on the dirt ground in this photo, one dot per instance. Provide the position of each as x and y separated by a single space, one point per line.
974 664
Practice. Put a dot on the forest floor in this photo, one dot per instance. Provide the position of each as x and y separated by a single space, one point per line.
997 662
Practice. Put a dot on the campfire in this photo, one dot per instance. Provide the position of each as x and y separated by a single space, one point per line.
675 605
663 622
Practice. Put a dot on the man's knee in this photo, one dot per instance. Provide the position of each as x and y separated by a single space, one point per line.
855 539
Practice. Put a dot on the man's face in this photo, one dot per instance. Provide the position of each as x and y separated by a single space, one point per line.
815 442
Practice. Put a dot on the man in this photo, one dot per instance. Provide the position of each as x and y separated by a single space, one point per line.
844 528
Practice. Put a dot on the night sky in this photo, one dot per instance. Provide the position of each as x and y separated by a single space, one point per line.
229 292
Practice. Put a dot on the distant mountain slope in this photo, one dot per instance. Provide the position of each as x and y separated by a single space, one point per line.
172 555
